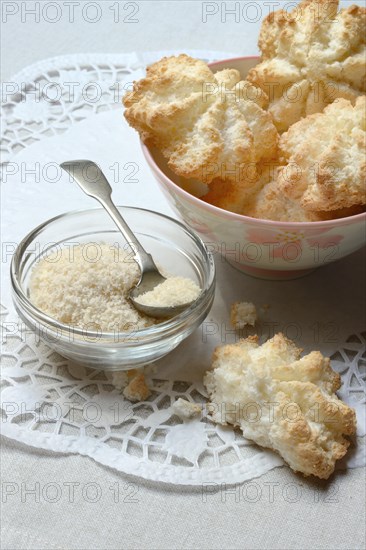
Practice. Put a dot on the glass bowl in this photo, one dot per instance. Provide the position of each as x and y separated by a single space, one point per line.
173 246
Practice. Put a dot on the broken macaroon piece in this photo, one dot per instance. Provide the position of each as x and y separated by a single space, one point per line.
186 410
282 401
137 389
242 314
132 383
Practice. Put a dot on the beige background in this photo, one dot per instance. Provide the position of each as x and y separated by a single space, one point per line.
173 24
300 513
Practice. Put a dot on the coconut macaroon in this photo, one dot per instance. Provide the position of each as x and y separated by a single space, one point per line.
282 401
240 196
310 57
322 174
208 125
270 203
325 158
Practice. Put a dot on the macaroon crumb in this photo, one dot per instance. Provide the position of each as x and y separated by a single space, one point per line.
121 379
242 314
137 389
185 409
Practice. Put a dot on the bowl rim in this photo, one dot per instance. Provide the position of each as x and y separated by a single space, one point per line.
154 331
232 215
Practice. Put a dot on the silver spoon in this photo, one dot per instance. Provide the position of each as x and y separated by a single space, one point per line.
99 189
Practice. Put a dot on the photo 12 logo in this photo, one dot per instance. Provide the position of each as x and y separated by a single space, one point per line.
51 172
238 12
253 12
70 12
69 87
68 491
271 492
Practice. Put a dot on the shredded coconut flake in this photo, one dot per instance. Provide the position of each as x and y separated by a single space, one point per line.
175 291
90 291
91 294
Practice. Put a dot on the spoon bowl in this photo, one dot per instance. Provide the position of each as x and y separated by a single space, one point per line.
153 311
93 182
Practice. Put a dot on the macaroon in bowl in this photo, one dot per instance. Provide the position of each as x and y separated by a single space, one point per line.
259 247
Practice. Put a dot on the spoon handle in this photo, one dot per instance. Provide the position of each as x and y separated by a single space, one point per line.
93 182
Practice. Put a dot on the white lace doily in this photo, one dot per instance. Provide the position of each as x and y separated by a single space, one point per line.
49 403
51 95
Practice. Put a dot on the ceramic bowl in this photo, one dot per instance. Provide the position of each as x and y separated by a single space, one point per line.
262 248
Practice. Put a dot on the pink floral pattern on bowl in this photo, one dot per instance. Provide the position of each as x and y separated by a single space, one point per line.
287 244
326 241
281 243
